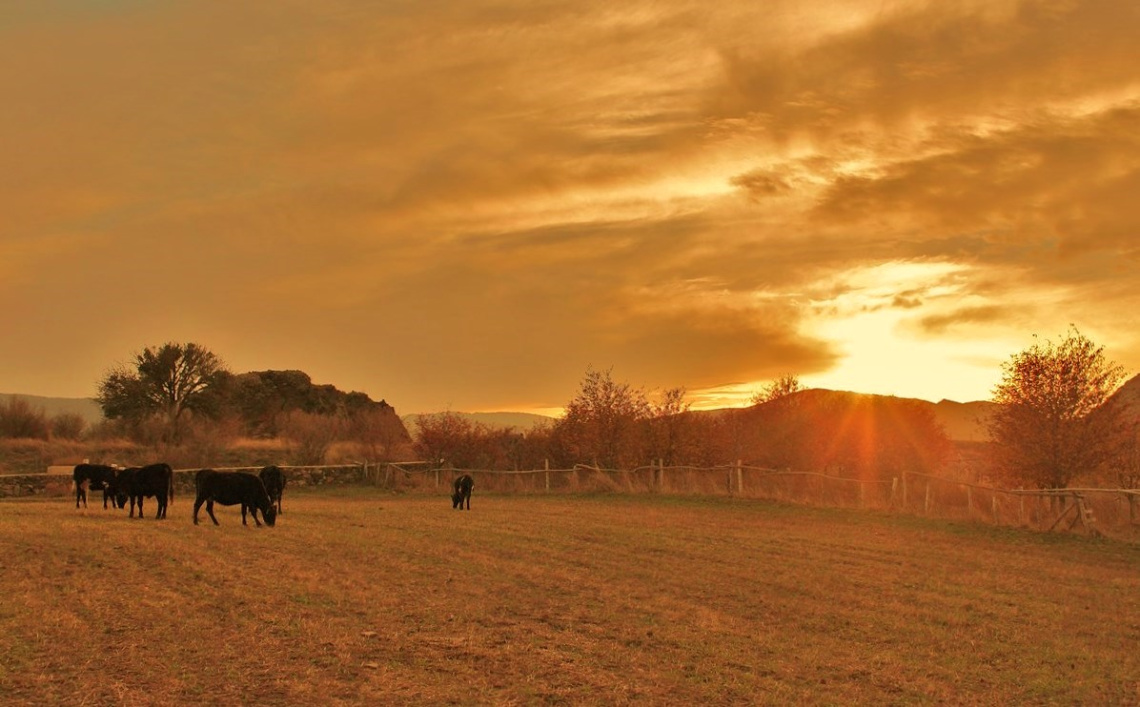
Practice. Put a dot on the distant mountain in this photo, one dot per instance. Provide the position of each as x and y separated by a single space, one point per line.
521 421
964 422
86 408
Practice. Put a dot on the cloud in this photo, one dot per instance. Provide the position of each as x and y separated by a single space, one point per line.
468 203
941 323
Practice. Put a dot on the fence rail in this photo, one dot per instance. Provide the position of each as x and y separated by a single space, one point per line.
1093 511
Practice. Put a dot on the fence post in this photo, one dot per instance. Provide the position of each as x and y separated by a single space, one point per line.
904 490
1021 511
862 494
994 504
926 503
437 478
546 468
739 477
894 490
969 500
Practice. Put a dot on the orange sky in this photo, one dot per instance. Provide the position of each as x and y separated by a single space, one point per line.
463 205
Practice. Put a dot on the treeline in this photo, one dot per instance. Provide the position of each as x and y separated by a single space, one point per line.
20 420
612 425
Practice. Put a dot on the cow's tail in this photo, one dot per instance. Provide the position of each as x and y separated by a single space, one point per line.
170 483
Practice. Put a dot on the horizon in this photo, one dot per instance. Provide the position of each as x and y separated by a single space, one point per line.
466 205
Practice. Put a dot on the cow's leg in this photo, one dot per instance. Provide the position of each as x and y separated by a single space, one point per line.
253 512
243 508
197 504
210 510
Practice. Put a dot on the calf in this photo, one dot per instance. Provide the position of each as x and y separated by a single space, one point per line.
230 488
97 477
462 491
137 483
274 480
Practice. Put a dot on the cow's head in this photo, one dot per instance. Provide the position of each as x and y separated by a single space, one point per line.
120 499
270 516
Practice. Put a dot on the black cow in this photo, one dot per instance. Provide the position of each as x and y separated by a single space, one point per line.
230 488
137 483
96 477
462 491
274 479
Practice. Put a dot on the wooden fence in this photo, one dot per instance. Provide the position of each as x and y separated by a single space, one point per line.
1093 511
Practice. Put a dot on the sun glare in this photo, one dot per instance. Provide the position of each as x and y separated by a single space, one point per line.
881 355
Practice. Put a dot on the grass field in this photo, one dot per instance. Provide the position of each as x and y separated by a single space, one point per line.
362 597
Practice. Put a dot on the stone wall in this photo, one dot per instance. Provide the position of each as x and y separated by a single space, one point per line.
48 485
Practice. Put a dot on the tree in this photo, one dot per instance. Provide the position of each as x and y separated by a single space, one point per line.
782 387
669 428
168 381
19 420
602 423
1055 419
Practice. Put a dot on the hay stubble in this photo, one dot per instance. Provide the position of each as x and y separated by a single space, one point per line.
359 597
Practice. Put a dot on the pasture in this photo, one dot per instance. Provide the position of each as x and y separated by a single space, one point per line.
359 596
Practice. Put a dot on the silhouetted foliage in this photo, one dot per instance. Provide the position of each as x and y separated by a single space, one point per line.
68 425
19 420
266 399
168 381
781 387
1055 419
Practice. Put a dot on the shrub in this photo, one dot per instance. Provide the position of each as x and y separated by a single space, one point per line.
18 420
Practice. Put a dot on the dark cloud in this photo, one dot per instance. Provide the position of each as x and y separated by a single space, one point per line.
941 323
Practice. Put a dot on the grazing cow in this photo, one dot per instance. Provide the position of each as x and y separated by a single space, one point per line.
137 483
274 480
96 477
462 492
230 488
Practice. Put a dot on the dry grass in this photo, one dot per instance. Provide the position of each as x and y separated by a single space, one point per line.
358 597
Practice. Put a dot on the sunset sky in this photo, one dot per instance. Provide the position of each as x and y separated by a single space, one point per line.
464 205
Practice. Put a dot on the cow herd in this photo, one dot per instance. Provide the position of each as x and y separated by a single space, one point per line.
255 494
261 493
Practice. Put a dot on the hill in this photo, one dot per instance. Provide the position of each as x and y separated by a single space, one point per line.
964 422
86 408
1128 395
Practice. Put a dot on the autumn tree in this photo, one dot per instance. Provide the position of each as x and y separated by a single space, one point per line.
168 381
669 428
602 424
1054 418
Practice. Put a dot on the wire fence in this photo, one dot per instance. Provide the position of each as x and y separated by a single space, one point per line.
1091 511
